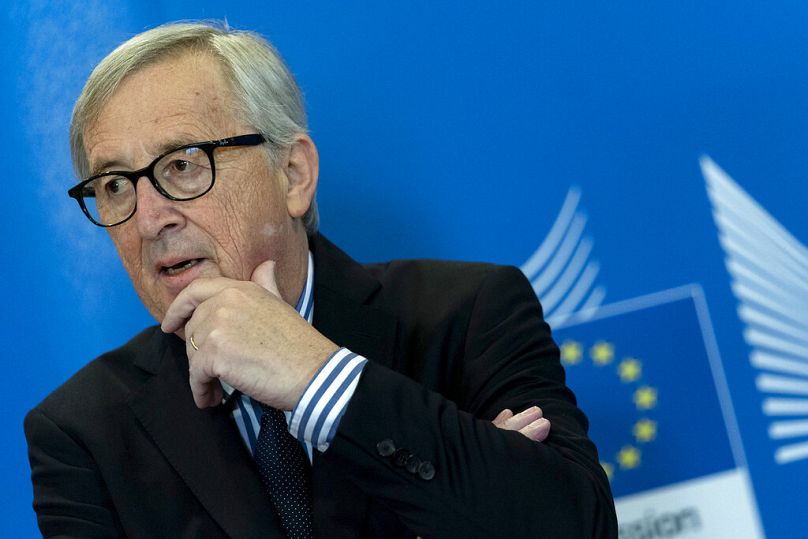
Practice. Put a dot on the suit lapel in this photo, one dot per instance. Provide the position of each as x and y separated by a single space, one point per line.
203 446
345 310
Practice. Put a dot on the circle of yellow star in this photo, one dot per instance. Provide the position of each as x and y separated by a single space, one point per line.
645 398
571 352
629 457
608 467
629 370
645 430
602 353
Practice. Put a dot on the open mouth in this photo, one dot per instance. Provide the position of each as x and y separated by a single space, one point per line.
180 266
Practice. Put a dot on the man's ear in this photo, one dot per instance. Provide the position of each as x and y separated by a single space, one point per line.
302 171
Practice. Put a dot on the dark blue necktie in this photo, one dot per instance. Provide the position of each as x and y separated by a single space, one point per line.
286 474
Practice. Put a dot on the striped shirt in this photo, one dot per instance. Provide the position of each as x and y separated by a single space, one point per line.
315 419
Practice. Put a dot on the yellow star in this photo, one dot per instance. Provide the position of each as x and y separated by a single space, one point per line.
608 467
571 352
629 370
628 457
645 397
602 353
645 430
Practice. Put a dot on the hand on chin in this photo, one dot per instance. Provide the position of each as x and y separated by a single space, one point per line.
246 335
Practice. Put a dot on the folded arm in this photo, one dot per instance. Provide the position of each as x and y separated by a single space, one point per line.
487 480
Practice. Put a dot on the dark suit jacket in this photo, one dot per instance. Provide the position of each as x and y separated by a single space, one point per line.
120 449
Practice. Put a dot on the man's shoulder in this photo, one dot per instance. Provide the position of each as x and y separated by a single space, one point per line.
106 380
432 293
438 279
442 276
432 269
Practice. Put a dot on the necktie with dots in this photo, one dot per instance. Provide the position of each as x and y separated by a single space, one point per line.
285 471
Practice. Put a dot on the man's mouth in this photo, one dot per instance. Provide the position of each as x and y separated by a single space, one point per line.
180 266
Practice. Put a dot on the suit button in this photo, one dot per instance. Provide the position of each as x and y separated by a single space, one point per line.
400 457
412 464
426 471
385 448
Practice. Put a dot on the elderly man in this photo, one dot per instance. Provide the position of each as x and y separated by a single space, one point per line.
289 390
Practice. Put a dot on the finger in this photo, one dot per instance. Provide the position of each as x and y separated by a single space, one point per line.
537 430
206 389
205 386
201 326
524 418
503 416
264 276
186 302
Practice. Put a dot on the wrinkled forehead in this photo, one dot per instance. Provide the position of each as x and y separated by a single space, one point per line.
174 101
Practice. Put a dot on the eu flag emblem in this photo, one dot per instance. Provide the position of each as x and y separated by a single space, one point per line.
643 374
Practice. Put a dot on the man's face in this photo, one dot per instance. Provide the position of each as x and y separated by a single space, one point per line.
240 223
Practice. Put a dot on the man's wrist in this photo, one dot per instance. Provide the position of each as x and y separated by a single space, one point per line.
319 410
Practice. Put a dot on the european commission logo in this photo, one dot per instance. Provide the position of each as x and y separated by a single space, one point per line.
640 368
648 373
769 270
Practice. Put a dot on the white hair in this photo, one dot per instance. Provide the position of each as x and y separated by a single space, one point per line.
265 91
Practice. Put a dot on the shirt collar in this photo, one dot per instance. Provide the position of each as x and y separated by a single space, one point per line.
304 307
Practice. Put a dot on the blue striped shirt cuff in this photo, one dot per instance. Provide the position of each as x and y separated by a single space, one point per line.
316 417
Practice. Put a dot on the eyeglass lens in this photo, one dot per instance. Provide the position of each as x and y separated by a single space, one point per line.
183 174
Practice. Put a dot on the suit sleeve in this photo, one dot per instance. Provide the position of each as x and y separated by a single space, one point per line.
480 481
69 496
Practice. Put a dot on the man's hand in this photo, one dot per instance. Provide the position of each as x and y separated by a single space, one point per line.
530 422
246 335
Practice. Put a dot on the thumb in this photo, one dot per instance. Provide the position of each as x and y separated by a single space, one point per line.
264 276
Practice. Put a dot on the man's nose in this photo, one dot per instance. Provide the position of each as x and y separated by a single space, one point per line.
155 213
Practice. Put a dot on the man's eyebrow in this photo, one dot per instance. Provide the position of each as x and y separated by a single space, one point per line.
111 164
162 148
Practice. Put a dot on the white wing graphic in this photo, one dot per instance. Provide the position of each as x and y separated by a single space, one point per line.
560 270
769 270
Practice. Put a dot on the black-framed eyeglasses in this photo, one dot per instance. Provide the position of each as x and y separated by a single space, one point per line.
184 173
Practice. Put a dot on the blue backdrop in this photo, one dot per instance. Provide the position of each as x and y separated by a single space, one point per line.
457 130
